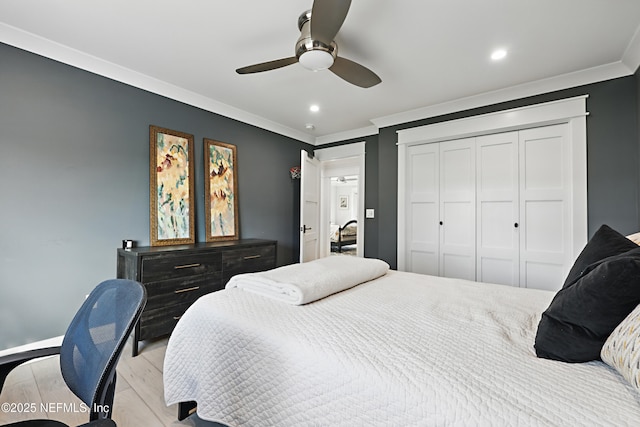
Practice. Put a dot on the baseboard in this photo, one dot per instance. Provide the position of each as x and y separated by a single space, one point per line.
49 342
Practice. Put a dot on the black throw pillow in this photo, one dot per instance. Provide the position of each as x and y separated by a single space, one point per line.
583 314
605 242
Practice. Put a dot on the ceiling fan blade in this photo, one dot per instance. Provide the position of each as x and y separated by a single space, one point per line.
327 17
354 73
266 66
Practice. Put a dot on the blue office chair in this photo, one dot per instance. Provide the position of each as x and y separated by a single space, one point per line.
91 348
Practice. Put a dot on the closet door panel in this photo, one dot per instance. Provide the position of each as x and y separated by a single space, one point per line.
497 209
423 210
545 185
424 245
457 209
498 252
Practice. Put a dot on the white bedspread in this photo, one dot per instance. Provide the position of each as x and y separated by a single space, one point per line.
401 350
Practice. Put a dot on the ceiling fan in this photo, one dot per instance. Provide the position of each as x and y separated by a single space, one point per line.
316 49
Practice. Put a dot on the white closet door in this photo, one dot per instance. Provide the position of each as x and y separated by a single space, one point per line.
497 209
458 209
423 209
545 188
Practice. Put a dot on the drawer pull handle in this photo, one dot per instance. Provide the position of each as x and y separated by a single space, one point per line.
178 267
176 317
179 291
252 256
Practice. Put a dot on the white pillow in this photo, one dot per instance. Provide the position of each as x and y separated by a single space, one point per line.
635 238
621 350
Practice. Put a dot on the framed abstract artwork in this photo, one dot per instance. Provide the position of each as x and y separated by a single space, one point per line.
171 181
221 191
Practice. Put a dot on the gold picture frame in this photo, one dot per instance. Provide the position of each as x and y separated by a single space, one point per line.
221 191
171 187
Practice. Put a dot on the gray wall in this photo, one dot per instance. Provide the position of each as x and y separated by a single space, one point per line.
74 179
74 182
613 129
637 76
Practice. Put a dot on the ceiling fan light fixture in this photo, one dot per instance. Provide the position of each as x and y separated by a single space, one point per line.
316 60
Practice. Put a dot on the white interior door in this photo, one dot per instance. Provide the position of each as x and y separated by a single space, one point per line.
498 225
309 207
423 210
458 209
545 191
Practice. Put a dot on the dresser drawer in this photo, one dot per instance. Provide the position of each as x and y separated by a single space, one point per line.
160 321
176 276
179 290
178 266
248 260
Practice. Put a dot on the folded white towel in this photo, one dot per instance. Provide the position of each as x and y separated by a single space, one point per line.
299 284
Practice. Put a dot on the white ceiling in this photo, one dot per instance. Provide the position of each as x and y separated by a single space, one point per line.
433 55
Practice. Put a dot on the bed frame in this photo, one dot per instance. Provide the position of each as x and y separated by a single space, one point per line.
186 409
344 240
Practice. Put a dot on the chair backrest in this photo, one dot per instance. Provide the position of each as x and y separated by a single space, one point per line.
95 339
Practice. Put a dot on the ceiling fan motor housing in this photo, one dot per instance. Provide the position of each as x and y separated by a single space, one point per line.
313 54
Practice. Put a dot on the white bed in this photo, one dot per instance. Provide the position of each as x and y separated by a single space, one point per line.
400 350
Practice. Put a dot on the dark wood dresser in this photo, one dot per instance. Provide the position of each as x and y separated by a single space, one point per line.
175 276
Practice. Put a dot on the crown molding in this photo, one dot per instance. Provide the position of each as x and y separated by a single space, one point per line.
565 81
631 56
66 55
349 134
623 68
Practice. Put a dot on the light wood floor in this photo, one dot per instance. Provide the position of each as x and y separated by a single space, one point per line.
139 399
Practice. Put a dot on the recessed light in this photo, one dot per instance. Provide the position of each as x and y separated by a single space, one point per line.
314 108
309 126
498 54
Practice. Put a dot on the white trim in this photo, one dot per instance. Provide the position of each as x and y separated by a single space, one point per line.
357 152
577 134
571 111
579 78
402 204
346 135
502 121
626 67
341 151
631 56
50 342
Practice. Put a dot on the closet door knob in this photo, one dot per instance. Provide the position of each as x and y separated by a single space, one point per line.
441 223
515 225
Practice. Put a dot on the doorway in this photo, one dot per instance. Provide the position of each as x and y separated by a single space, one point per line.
342 199
343 214
345 166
